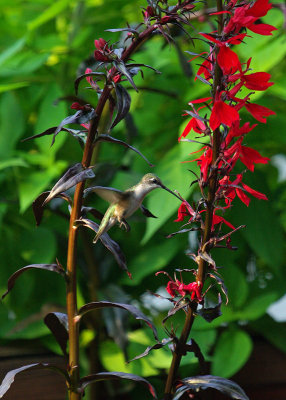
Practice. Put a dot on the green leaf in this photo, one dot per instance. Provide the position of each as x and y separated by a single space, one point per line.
150 260
112 359
236 284
172 173
51 12
263 230
50 115
6 87
273 331
231 352
38 246
12 50
36 182
13 162
11 124
256 307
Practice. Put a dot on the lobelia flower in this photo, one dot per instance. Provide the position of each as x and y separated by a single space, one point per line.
222 113
231 189
258 111
185 210
102 51
247 155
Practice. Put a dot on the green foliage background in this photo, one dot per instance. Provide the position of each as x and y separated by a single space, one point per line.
44 45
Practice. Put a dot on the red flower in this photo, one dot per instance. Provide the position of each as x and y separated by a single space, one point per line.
255 81
195 124
217 219
236 131
247 156
206 69
262 29
185 210
231 189
258 111
193 289
259 9
102 50
204 162
222 113
228 60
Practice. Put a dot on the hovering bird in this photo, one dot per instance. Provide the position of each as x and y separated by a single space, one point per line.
124 204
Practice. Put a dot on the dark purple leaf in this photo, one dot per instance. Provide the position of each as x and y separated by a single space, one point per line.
80 117
122 30
73 176
106 240
128 307
181 231
10 376
107 138
220 281
211 313
95 74
193 347
202 382
178 306
78 134
150 348
205 256
192 114
203 80
38 208
123 101
58 324
49 131
146 212
134 65
121 67
116 375
48 267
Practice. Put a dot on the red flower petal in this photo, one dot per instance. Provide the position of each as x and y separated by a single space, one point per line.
228 60
242 196
257 81
262 29
222 113
258 111
259 9
254 193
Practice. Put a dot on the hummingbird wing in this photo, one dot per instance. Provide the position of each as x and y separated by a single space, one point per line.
106 193
146 212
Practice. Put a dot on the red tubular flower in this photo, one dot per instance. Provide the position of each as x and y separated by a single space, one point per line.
262 29
102 50
193 289
259 112
196 124
222 113
204 162
228 61
185 210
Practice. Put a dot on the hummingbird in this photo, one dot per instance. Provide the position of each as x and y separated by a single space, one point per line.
124 203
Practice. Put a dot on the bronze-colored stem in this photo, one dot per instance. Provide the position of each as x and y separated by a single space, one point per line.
179 347
71 297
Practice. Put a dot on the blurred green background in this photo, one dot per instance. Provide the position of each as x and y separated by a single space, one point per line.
44 46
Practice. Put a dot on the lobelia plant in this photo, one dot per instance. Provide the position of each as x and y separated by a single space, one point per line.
222 135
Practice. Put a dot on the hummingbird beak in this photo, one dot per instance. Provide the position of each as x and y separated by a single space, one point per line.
170 191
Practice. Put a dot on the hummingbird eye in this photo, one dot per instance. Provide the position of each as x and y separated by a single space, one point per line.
154 180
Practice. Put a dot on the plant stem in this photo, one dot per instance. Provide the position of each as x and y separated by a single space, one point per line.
71 297
179 347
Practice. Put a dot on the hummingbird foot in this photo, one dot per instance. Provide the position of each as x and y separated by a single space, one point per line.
124 224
